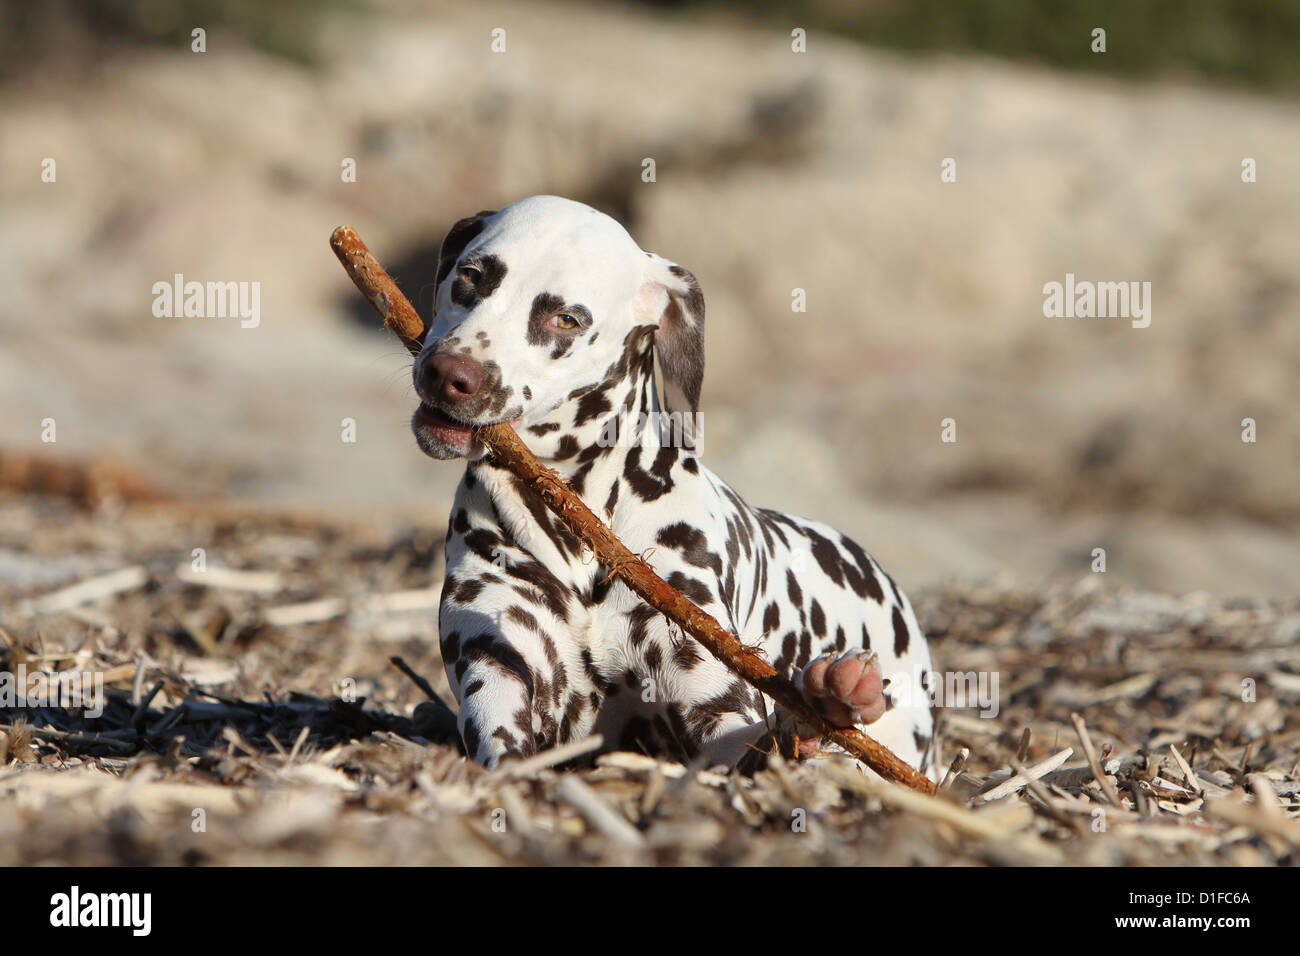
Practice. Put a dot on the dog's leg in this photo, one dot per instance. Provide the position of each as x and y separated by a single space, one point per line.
494 687
499 650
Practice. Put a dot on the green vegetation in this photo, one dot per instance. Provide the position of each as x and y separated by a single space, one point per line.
1253 43
1247 42
44 33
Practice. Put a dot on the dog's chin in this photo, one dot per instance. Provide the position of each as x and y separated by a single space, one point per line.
443 437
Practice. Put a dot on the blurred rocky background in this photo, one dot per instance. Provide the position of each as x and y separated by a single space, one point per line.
775 170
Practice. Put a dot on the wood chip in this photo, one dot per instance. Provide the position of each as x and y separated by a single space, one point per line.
599 813
1035 772
1255 818
1107 786
967 821
86 592
519 769
1134 686
259 582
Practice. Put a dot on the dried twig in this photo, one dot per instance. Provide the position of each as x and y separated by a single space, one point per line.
1093 763
416 679
138 718
522 769
1022 751
303 734
378 286
259 582
955 767
84 592
323 609
505 445
598 813
1023 777
1188 773
981 825
1255 817
76 742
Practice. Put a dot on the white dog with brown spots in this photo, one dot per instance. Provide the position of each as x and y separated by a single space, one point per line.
548 316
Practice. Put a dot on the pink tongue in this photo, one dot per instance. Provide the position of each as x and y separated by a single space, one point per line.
516 423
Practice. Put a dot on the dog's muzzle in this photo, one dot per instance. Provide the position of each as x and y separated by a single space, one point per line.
456 394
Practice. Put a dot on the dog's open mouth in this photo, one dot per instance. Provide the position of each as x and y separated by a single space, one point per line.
442 426
443 431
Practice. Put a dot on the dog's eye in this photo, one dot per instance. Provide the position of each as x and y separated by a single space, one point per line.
564 320
470 274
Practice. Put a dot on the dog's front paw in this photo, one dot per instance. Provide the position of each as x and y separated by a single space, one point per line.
846 690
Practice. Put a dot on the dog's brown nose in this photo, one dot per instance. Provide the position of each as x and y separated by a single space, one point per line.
450 378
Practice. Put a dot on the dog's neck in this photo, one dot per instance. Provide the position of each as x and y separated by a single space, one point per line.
603 433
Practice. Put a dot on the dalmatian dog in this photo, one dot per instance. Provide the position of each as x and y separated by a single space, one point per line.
548 316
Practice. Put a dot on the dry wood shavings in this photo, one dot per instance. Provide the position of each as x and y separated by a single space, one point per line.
304 776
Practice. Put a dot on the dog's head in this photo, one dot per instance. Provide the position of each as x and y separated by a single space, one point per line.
540 306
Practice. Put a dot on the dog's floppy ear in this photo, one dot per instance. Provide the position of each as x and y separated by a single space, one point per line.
457 238
673 293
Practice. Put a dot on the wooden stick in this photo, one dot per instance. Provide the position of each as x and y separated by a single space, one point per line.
84 592
1188 773
378 286
980 825
528 767
73 740
598 813
1026 775
1090 752
500 439
954 768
